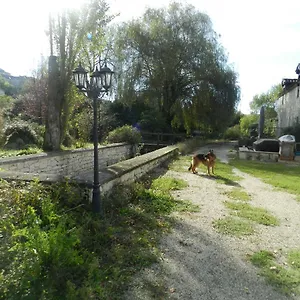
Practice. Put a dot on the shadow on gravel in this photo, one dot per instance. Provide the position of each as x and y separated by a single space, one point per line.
197 265
218 177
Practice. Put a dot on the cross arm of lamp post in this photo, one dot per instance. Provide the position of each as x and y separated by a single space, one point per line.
94 86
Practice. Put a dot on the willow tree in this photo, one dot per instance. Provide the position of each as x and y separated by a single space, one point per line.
69 43
171 57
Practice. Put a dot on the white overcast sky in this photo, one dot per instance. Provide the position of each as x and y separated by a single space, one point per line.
262 37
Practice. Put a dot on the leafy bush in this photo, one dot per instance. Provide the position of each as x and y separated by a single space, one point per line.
233 133
19 134
126 134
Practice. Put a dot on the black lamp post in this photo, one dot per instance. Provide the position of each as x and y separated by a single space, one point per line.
94 86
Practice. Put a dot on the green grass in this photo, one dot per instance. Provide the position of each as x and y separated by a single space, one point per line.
238 194
279 175
224 174
12 153
168 184
256 214
285 278
233 226
180 164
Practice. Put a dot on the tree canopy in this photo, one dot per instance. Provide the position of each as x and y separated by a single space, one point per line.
171 59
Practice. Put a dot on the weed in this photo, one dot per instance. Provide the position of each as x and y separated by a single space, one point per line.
256 214
233 226
180 164
168 183
225 175
262 258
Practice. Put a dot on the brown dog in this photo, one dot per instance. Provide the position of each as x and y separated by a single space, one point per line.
208 160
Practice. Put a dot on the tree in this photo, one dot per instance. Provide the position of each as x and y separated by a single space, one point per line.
268 100
68 38
172 59
247 122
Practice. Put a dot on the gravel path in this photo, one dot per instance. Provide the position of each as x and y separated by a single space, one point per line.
199 263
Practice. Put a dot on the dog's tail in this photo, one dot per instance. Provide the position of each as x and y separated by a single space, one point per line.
190 167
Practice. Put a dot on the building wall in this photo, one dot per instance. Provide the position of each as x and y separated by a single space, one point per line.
66 163
288 108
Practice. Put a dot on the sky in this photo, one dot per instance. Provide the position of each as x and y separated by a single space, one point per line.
262 37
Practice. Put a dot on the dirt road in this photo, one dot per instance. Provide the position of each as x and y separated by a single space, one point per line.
198 263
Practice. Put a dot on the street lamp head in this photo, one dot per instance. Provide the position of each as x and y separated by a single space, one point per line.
80 77
106 77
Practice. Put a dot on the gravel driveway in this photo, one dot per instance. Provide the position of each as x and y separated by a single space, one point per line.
202 264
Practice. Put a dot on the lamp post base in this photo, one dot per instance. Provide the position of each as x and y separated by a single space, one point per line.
96 203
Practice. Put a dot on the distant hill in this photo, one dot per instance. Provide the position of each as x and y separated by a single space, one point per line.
10 84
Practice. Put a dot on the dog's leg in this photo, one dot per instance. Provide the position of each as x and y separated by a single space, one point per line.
213 168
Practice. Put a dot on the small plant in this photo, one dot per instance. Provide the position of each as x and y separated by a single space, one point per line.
262 258
126 134
233 226
256 214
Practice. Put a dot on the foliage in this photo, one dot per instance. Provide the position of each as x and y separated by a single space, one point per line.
126 134
68 33
232 133
285 277
31 103
171 57
6 86
53 247
233 226
267 100
247 122
277 174
20 134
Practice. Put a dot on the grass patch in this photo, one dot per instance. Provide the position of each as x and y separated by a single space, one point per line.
262 258
277 174
180 164
233 226
238 194
168 184
224 174
256 214
285 278
186 206
294 259
12 153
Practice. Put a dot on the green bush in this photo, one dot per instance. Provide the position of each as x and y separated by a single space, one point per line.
125 134
19 134
233 133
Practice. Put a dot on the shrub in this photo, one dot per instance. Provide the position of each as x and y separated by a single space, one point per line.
233 133
126 134
19 134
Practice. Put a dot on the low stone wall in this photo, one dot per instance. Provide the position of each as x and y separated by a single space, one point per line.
258 155
64 163
121 172
129 170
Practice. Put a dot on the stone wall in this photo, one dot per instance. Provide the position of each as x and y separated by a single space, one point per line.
66 163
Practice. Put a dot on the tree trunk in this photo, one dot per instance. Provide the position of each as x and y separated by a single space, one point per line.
52 130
